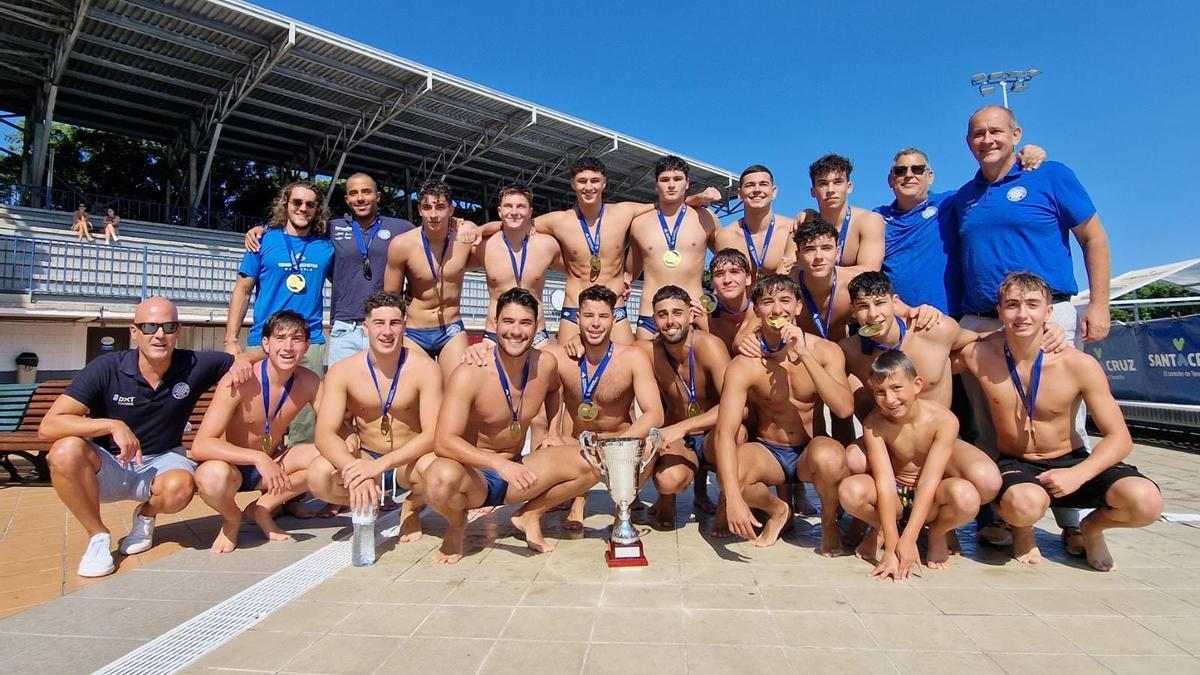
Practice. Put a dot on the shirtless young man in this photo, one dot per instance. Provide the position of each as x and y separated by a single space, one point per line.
592 237
761 234
669 243
689 367
394 419
517 256
239 441
731 280
479 443
861 231
782 388
909 442
428 264
601 384
1032 396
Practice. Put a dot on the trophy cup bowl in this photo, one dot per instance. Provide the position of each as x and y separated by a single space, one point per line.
620 462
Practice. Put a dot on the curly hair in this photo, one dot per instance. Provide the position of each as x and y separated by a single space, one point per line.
319 220
830 165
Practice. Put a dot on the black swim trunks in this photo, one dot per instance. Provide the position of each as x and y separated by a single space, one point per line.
1091 495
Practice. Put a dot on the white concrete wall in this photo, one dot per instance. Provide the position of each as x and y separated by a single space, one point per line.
60 345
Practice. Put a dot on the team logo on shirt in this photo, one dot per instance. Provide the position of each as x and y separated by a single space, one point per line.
122 400
929 212
1017 194
384 234
181 390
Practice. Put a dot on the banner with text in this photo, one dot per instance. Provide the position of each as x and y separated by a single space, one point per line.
1157 361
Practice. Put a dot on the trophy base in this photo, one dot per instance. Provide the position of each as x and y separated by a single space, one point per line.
625 555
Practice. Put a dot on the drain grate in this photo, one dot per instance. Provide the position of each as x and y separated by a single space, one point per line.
194 638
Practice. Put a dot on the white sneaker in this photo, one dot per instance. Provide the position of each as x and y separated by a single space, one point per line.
97 560
141 536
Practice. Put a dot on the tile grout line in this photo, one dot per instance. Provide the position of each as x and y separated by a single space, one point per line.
219 624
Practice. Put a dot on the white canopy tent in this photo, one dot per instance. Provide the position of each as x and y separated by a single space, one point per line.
1185 274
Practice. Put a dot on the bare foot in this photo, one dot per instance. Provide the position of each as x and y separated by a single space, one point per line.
952 543
298 509
855 533
226 539
700 499
664 512
774 526
1025 548
530 525
483 511
451 550
410 521
937 552
1097 549
800 503
1073 540
831 541
573 522
868 548
262 518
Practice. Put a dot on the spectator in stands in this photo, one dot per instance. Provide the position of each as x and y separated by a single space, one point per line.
82 227
360 242
289 271
117 431
111 220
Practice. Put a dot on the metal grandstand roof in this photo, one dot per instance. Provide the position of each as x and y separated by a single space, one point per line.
272 89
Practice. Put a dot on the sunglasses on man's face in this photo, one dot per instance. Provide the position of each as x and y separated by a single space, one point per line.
917 170
150 327
297 203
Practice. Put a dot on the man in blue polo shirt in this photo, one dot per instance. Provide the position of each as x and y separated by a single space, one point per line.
1012 220
289 270
118 431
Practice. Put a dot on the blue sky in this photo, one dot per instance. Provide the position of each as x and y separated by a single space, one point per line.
780 83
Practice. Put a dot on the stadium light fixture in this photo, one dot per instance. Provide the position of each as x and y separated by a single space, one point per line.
1014 81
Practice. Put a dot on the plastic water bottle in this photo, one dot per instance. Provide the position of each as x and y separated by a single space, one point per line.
362 549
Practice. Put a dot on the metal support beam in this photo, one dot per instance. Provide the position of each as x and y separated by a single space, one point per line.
469 149
208 160
62 52
41 138
368 124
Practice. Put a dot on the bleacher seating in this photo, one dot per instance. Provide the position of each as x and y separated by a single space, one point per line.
46 224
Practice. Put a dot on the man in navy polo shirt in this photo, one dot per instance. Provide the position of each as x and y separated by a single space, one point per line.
289 270
1011 220
118 431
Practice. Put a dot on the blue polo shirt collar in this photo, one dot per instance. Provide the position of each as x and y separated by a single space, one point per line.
1015 171
129 366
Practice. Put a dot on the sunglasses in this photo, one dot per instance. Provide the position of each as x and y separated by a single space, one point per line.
297 203
150 327
917 170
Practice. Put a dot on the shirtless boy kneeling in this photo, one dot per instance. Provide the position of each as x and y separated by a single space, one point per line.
479 441
238 442
1032 395
392 393
909 444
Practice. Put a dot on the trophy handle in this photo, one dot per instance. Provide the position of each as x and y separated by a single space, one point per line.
655 441
591 453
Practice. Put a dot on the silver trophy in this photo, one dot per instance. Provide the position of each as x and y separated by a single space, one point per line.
620 462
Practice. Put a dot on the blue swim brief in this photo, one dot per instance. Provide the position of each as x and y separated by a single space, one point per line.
647 323
433 340
695 443
788 457
572 314
251 477
539 338
497 487
389 475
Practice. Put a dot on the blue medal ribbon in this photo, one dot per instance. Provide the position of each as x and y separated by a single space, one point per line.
754 258
592 244
387 405
518 272
295 260
364 245
1029 400
588 385
811 305
843 234
869 345
768 349
690 385
671 235
429 252
266 397
516 412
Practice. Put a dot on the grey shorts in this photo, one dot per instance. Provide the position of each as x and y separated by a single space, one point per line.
133 483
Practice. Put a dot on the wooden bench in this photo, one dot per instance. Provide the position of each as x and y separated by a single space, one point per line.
18 434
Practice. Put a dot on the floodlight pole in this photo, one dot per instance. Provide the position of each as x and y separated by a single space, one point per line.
1004 93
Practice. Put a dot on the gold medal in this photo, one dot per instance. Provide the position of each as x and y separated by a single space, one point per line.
708 302
515 430
693 409
672 258
777 322
385 425
267 444
588 412
870 330
594 264
1033 433
295 283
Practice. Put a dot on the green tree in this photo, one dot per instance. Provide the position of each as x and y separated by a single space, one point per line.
1157 289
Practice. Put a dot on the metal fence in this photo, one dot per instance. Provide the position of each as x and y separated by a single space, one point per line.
68 199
